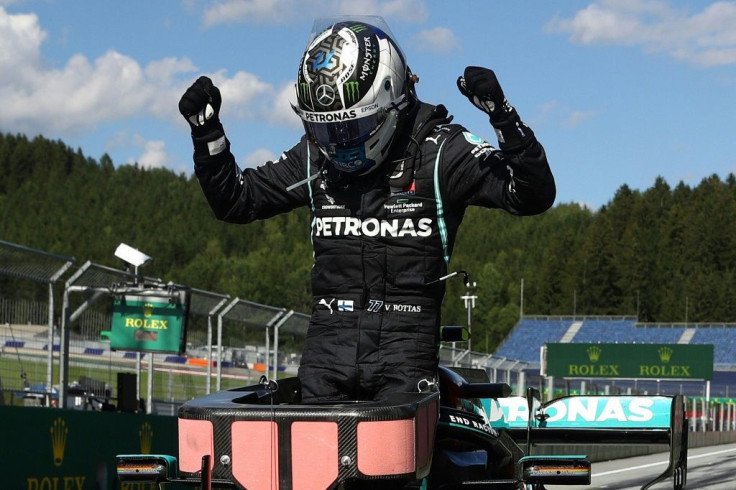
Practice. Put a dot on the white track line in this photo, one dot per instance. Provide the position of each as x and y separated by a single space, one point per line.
705 455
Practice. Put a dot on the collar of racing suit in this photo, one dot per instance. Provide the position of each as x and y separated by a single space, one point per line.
405 152
424 118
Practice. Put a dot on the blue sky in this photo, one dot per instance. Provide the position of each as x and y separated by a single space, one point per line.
618 91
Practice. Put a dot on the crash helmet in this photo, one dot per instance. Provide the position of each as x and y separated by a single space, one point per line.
351 91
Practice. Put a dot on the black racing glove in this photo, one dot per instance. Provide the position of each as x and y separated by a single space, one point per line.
200 106
481 87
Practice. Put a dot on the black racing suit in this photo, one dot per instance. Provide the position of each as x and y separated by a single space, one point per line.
381 241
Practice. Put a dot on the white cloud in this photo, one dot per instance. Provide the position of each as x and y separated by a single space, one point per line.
258 157
232 11
84 92
154 155
545 113
20 36
707 38
10 2
553 112
281 112
244 95
283 11
79 95
406 10
438 40
162 77
164 72
576 118
150 153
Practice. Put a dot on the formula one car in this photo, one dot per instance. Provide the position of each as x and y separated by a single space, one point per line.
461 432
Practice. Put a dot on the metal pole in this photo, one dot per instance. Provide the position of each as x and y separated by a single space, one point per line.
469 300
276 352
138 364
704 416
149 393
219 354
208 383
64 351
282 319
707 401
521 383
268 349
470 330
220 316
50 355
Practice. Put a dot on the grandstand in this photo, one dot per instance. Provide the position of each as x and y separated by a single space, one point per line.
525 340
531 333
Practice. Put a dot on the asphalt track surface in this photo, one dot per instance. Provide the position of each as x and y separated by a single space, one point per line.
711 468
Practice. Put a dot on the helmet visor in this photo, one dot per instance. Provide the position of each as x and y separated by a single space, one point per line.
341 129
345 134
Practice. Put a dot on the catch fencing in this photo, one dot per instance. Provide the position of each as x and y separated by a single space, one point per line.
56 351
60 355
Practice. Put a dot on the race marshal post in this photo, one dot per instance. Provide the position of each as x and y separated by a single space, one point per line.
147 316
150 318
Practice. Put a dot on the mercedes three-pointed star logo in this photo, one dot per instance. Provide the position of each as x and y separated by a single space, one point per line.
325 95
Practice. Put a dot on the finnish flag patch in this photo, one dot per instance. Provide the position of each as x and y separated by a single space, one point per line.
345 305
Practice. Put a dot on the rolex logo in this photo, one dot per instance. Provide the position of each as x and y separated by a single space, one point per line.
147 310
594 353
59 432
665 354
146 437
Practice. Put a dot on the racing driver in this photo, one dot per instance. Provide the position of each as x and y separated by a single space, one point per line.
387 178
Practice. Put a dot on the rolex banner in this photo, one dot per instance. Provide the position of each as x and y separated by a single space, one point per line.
631 361
56 449
150 321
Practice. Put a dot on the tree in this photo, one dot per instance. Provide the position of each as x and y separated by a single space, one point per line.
664 253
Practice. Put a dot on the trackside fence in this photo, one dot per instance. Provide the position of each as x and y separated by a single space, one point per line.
55 349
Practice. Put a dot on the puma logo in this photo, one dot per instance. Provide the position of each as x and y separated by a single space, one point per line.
434 140
328 305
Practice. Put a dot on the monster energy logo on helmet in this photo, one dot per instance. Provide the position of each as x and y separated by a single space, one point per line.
352 92
303 90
